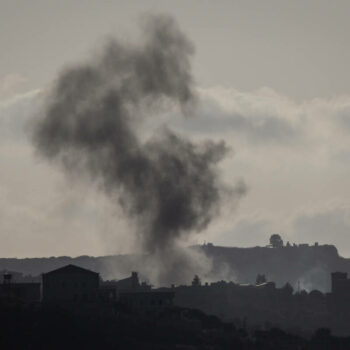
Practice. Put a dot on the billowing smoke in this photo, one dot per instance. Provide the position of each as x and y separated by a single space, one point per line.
167 184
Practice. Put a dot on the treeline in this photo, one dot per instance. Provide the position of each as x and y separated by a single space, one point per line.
32 326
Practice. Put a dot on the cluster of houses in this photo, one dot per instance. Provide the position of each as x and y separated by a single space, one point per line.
74 284
261 303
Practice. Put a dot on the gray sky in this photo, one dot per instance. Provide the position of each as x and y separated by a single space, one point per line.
273 81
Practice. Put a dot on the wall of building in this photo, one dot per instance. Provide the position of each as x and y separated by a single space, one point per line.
70 286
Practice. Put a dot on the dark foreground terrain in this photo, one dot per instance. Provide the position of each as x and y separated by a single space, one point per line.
36 326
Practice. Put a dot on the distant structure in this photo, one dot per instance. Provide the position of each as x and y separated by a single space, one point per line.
29 292
196 281
129 283
260 279
340 284
134 296
111 290
70 284
339 302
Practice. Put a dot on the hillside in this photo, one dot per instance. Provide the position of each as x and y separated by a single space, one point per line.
306 266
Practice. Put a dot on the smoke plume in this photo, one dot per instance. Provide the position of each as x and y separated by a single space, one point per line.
167 184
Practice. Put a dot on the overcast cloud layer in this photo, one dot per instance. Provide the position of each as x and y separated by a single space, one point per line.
294 158
297 47
290 141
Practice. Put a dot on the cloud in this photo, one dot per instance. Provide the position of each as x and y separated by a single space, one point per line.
37 204
248 232
10 84
297 175
249 117
15 113
255 128
267 117
294 157
329 225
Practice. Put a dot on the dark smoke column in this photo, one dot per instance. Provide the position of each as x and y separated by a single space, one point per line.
167 185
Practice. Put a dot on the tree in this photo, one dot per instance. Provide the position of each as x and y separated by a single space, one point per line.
287 289
276 241
196 281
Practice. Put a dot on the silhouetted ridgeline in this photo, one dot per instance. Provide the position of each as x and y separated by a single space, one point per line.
306 267
303 266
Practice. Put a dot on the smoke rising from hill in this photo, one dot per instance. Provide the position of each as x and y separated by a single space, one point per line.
167 184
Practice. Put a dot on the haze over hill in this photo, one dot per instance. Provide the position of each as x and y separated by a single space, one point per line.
304 267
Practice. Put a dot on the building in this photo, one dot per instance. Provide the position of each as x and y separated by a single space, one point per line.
339 301
111 290
70 284
29 292
129 283
340 284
